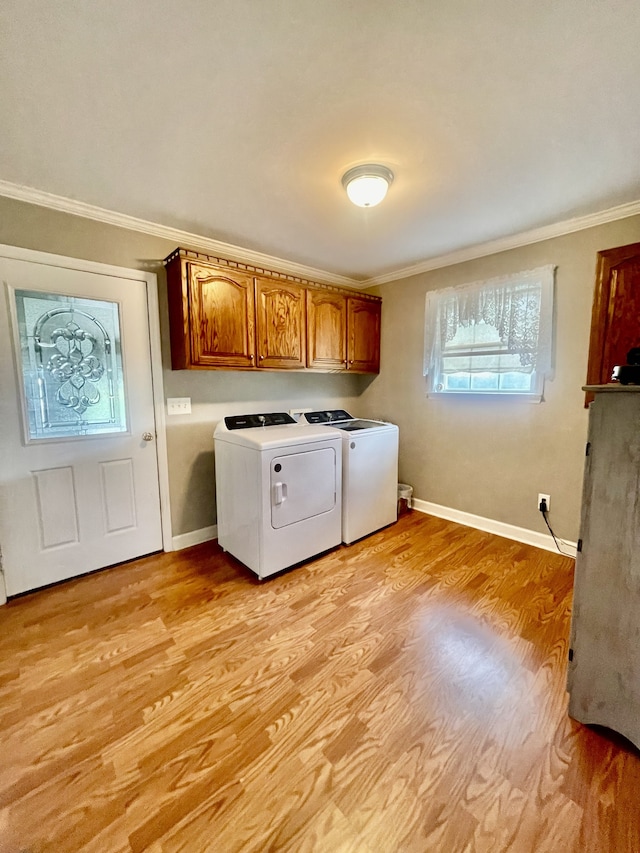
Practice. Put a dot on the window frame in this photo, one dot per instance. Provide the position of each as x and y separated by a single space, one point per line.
434 352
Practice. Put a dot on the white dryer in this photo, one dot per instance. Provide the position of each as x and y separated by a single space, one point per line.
279 490
369 471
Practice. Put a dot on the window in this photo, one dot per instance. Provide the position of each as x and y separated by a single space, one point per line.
491 337
71 365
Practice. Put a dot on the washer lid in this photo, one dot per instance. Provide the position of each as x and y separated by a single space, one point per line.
358 424
266 438
339 419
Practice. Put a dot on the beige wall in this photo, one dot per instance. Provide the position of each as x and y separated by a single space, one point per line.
492 457
489 458
213 393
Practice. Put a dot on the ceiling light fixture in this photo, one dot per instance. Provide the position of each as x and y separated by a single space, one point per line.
367 185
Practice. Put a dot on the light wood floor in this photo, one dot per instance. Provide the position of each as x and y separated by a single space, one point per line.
403 694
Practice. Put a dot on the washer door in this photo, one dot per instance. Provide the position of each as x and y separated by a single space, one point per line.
303 485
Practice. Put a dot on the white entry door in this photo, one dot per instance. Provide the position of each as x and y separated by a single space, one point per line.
78 461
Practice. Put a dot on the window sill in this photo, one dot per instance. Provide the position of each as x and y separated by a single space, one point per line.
523 397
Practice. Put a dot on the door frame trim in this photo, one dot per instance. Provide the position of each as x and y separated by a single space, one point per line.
153 313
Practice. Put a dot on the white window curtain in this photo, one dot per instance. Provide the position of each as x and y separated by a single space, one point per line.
519 307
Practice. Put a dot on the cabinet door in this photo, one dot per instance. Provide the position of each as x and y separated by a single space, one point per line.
326 329
616 307
280 317
222 317
363 329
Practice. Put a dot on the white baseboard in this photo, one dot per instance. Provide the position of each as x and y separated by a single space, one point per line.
509 531
489 525
194 537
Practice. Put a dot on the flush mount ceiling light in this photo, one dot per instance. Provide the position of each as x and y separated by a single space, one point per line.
367 185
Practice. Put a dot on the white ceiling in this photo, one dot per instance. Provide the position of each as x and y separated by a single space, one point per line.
235 119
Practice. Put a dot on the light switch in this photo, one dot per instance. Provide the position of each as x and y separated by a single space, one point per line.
178 405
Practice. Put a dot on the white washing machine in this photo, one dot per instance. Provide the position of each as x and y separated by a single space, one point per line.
279 490
369 471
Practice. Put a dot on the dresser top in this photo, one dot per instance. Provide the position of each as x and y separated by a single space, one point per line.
614 387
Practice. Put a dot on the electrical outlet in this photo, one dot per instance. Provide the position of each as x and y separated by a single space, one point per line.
178 405
546 498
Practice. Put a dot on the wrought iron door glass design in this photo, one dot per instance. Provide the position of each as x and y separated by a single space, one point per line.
71 365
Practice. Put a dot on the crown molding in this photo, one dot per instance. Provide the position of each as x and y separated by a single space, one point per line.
176 235
503 244
258 259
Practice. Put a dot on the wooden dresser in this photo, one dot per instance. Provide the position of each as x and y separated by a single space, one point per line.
604 658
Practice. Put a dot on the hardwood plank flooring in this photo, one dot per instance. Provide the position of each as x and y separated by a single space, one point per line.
403 694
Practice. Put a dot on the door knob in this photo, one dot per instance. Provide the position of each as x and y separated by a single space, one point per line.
147 436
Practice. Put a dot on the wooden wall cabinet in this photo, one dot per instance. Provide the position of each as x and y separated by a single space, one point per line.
281 324
363 335
230 316
604 661
344 332
212 316
222 318
327 329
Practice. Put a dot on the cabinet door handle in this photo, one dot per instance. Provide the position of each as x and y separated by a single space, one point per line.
251 358
261 357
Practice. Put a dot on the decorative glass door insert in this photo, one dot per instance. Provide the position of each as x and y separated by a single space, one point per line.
71 360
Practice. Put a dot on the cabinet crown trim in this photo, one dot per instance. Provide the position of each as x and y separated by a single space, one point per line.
198 257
